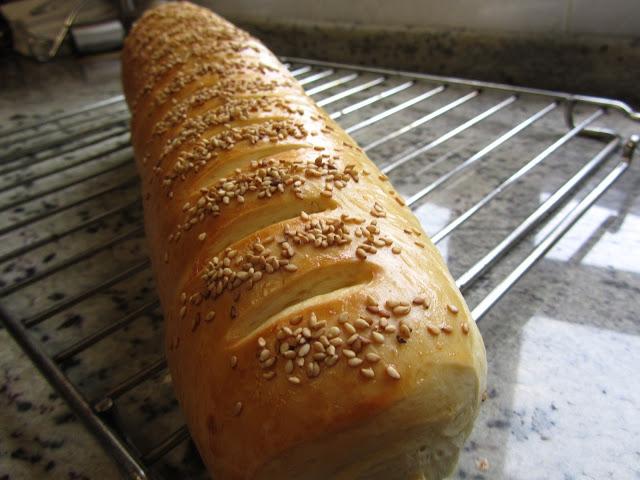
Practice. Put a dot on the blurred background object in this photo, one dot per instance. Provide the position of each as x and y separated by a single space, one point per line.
43 29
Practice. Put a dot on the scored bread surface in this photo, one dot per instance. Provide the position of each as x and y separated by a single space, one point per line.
313 330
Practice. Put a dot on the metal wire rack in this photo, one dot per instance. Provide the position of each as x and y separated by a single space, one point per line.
73 250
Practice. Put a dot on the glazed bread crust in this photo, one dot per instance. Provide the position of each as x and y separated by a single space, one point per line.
313 330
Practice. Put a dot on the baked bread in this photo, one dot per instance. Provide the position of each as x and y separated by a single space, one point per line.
312 329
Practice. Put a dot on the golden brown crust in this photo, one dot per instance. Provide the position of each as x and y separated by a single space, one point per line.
302 298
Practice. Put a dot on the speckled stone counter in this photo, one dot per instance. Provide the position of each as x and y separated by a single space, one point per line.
563 346
594 65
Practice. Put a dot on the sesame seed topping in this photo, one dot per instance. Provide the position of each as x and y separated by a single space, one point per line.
269 375
367 372
237 409
183 311
262 342
352 339
331 361
290 267
288 366
452 308
202 236
377 337
465 328
333 332
393 373
355 362
405 331
433 330
349 328
401 310
343 317
195 323
348 353
370 301
372 357
396 250
361 324
264 355
304 350
390 329
418 301
295 380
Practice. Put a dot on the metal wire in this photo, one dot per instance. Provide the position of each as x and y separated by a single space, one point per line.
390 95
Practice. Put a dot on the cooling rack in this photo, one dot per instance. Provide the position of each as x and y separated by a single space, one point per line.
73 252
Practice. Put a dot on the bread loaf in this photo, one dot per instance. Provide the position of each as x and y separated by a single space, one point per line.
312 328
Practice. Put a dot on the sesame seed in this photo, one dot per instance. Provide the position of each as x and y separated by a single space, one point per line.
368 372
269 375
373 309
418 301
419 244
352 338
452 308
390 329
233 361
372 357
183 311
336 342
446 328
195 323
361 324
433 330
290 267
269 363
355 362
361 254
237 409
401 310
348 353
370 301
332 360
377 337
296 320
262 342
288 366
405 331
393 373
333 332
264 355
304 350
465 328
343 317
396 250
183 297
294 380
202 236
349 328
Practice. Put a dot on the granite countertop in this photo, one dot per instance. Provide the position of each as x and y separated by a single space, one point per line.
563 346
